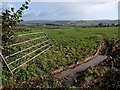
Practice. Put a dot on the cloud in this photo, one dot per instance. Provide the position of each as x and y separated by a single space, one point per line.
29 15
71 10
61 0
81 10
8 5
68 9
74 0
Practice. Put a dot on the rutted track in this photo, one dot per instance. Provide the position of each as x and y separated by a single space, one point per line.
81 67
68 77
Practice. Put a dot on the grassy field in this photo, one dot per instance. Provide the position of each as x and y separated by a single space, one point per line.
70 45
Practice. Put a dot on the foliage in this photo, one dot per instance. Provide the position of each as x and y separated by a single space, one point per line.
10 18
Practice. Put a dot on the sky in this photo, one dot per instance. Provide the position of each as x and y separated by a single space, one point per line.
68 10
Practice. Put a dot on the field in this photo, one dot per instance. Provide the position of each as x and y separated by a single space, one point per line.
70 44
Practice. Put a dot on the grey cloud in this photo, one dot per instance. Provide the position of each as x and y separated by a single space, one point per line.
29 15
73 11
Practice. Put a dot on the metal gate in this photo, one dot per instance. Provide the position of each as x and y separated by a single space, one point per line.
26 48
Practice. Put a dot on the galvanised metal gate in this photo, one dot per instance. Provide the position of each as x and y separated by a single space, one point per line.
26 48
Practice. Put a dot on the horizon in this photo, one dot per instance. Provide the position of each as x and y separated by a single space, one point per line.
76 20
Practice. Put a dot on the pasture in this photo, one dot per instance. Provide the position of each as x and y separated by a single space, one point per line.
70 44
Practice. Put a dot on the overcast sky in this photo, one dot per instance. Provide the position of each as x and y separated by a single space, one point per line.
72 10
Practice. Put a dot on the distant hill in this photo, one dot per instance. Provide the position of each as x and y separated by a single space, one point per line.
72 23
37 22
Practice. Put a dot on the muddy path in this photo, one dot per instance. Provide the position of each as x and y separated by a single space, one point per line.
68 76
81 67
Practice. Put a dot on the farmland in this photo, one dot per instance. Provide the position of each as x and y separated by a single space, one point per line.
70 44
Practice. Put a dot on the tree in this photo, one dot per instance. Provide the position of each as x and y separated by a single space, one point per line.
112 24
10 18
100 25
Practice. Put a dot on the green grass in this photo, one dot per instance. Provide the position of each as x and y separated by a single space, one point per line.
69 45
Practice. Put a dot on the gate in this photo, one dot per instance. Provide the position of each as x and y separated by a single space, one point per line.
26 48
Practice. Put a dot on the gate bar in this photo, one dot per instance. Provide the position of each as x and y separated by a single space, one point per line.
26 41
5 62
29 34
28 54
30 59
26 49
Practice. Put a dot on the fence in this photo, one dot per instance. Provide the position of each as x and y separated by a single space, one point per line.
26 48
